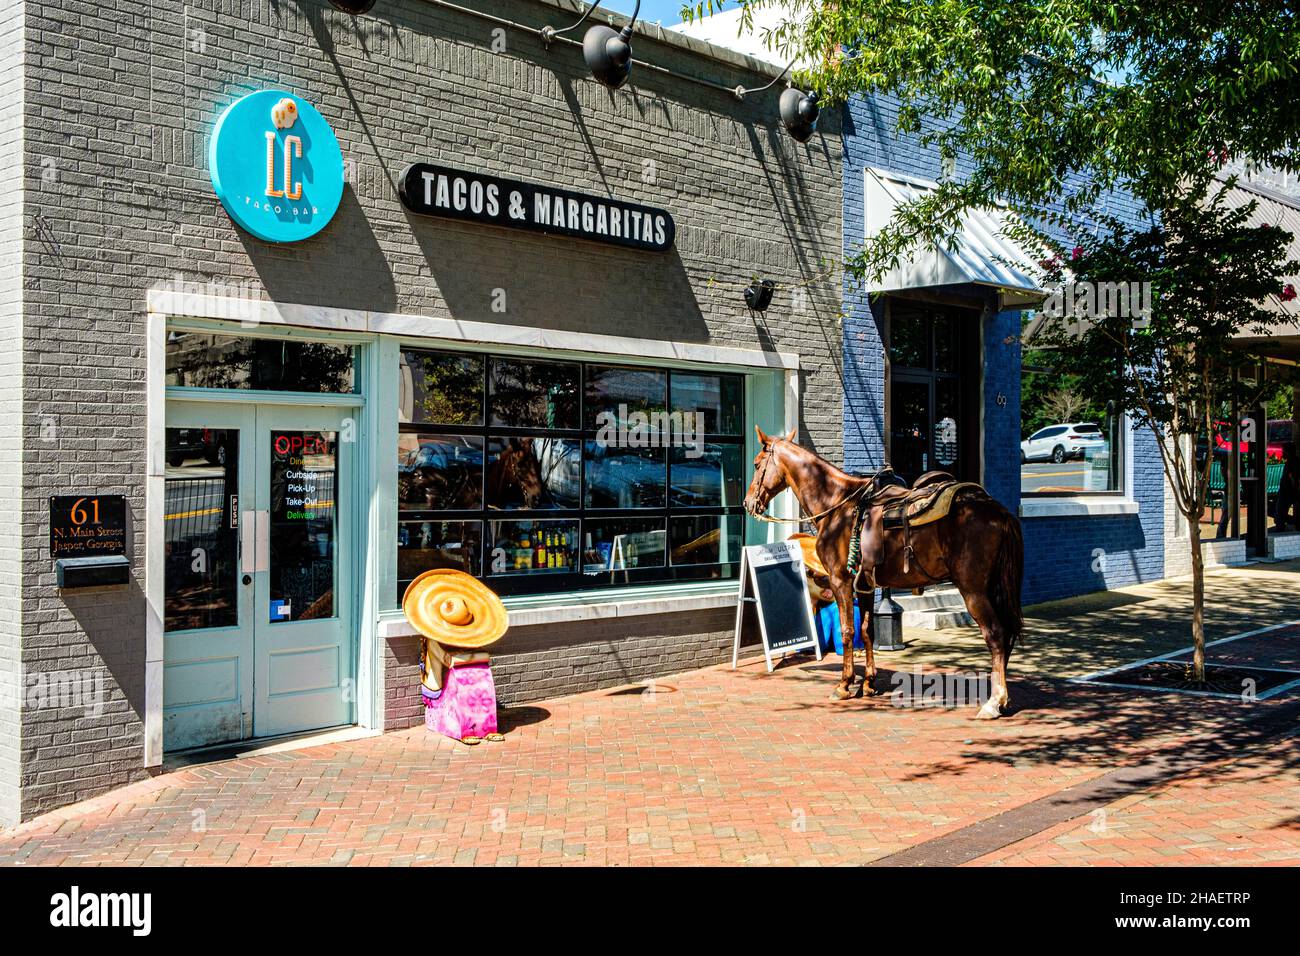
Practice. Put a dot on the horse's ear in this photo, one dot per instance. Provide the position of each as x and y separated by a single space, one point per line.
791 437
762 438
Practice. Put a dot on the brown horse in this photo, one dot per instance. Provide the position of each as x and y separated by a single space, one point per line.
977 545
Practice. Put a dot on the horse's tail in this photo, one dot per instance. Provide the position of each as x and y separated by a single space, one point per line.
1008 574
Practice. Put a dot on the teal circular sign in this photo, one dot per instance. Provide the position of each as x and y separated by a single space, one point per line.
276 166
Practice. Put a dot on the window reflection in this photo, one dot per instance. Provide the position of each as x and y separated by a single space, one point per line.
304 521
621 544
909 338
534 394
1070 444
533 473
426 545
532 547
708 539
440 388
624 477
200 516
615 393
439 472
206 360
550 475
715 397
712 478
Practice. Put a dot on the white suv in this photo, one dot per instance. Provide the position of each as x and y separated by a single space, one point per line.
1059 442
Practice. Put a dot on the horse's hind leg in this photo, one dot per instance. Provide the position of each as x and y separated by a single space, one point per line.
982 610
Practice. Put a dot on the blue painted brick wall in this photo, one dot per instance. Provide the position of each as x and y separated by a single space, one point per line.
1063 556
1002 408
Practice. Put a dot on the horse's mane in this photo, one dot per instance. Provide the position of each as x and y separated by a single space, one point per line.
840 473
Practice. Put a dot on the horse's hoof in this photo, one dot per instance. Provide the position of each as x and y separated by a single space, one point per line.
841 693
989 711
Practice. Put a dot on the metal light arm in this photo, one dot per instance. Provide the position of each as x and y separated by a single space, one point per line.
549 33
741 92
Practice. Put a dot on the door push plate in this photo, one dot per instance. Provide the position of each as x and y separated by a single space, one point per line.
247 542
263 541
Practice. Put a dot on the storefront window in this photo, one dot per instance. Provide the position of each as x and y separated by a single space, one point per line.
554 476
1071 443
439 472
530 394
205 360
535 473
440 388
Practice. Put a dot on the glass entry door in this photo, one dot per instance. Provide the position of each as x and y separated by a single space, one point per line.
931 353
258 597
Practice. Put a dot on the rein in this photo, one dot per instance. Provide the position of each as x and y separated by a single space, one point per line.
819 515
856 493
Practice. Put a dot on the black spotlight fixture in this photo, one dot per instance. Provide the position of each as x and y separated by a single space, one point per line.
758 296
799 112
354 7
609 54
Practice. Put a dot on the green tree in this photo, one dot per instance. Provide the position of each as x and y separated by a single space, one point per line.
1173 368
1053 102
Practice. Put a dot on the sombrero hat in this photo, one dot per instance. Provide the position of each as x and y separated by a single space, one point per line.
808 544
454 609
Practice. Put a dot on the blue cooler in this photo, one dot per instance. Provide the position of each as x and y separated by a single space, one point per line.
828 628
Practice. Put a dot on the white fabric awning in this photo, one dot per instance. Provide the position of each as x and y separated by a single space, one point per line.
983 255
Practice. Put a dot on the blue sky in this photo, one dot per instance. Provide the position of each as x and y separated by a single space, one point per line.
666 11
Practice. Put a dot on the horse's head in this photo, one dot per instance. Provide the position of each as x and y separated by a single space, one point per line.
517 474
769 475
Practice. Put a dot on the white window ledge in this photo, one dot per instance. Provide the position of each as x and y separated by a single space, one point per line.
561 609
1082 505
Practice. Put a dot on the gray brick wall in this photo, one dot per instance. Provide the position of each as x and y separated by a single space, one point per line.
121 95
11 316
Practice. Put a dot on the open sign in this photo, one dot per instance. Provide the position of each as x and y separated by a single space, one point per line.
290 445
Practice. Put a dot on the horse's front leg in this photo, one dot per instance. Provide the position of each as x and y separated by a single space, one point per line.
843 591
868 650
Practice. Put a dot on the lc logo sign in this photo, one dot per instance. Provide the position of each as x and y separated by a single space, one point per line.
276 166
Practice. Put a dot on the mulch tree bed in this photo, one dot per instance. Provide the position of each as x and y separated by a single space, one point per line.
1229 680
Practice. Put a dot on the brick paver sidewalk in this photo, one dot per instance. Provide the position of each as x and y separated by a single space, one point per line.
721 767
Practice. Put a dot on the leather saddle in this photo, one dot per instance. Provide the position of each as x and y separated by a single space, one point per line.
929 499
896 509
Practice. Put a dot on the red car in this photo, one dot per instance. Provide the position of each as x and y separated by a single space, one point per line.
1279 431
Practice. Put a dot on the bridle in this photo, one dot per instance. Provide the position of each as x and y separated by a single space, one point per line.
870 486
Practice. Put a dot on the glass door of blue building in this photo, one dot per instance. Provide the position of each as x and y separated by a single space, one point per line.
258 525
932 371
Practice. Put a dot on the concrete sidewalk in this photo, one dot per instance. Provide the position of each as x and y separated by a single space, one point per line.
743 767
1106 629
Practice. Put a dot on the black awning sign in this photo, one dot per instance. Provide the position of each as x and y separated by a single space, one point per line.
87 526
452 194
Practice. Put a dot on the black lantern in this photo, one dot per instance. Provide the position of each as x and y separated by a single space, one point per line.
608 54
759 295
799 112
354 7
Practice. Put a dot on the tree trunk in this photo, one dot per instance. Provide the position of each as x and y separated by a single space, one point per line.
1198 601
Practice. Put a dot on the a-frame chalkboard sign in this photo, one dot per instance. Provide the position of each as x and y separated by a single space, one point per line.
772 579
